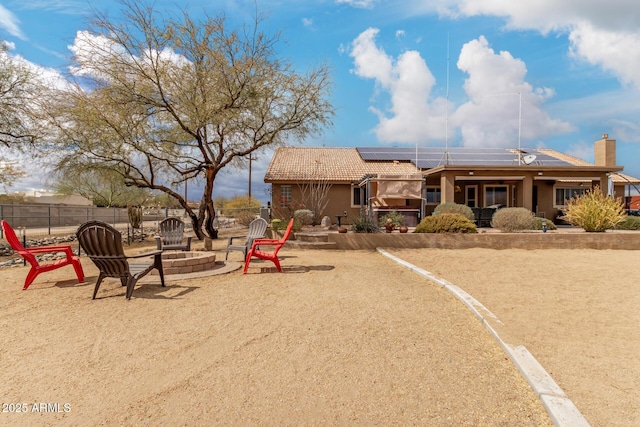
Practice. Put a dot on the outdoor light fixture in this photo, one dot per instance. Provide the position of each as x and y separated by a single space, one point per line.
539 173
470 172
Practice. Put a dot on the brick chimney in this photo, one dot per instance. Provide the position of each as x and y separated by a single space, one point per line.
605 151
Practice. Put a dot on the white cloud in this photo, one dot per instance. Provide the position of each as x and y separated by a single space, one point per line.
603 33
615 52
496 88
307 22
408 80
364 4
10 23
503 107
90 51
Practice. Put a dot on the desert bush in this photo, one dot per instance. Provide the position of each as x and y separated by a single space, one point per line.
454 208
594 211
550 224
514 219
446 223
629 223
363 224
245 217
396 218
304 216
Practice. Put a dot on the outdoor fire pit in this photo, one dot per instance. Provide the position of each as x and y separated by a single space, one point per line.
186 262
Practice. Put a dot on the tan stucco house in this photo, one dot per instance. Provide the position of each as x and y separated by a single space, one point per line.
415 180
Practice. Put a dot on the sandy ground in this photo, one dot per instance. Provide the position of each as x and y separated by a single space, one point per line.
576 311
339 338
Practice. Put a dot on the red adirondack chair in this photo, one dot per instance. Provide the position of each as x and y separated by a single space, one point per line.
29 255
258 244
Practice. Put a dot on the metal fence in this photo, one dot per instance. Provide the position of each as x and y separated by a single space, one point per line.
38 225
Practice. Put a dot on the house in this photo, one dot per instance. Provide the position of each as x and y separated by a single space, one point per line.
413 181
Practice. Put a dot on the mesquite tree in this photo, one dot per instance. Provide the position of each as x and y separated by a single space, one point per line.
161 100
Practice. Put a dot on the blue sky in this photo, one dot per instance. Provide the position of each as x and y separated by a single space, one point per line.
425 72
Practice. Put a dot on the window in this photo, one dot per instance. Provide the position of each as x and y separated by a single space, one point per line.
564 194
358 196
433 195
495 195
285 195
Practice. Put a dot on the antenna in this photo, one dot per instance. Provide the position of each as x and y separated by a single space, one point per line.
520 126
445 156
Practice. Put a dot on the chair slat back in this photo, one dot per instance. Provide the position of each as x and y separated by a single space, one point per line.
257 228
103 244
171 231
11 237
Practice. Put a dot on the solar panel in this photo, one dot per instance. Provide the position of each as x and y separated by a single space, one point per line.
431 157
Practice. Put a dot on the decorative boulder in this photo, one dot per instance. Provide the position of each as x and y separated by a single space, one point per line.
325 222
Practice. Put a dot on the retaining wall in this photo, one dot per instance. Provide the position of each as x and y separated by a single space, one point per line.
581 240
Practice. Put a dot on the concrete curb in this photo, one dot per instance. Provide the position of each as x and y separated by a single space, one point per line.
561 409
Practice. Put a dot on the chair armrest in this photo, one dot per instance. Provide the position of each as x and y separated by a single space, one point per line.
48 249
234 237
146 254
265 242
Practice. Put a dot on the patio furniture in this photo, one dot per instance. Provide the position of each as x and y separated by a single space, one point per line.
486 215
257 228
476 215
258 252
29 255
171 235
103 245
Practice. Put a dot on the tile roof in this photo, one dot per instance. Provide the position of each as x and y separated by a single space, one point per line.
335 164
618 178
346 165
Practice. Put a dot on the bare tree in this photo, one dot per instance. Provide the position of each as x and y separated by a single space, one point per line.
161 100
18 89
315 197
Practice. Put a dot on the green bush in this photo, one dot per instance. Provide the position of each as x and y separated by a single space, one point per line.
514 219
363 224
446 223
594 211
629 223
277 224
454 208
396 218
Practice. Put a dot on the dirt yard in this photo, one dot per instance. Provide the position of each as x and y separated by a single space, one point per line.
338 338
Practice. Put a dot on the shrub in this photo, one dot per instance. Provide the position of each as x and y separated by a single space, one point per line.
514 219
454 208
277 224
304 216
363 224
446 223
629 223
550 224
594 211
396 218
245 217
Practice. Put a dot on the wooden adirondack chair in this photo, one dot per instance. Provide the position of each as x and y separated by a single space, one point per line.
29 254
259 244
103 245
257 228
172 235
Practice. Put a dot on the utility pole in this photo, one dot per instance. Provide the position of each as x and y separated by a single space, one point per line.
250 159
